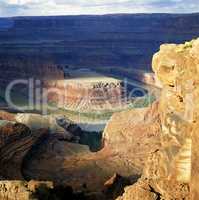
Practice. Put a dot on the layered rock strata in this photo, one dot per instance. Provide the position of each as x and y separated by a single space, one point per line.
26 69
73 164
16 140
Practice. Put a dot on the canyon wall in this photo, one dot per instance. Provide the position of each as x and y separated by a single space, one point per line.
125 40
171 171
26 69
127 144
24 78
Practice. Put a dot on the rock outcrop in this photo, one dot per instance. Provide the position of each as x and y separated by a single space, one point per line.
172 169
54 124
134 134
22 190
126 145
38 190
16 140
84 90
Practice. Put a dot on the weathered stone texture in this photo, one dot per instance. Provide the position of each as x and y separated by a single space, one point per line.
172 168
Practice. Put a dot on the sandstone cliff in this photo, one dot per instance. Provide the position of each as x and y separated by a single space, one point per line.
134 134
172 168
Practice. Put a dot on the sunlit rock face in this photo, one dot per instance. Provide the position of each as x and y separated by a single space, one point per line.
172 169
177 67
134 134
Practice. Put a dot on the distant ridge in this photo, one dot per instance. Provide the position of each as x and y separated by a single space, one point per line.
125 40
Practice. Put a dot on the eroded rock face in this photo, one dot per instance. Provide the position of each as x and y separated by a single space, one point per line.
16 140
36 190
134 134
14 190
139 191
177 68
169 171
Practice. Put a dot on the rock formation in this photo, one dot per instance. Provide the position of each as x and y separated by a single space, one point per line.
172 168
134 134
125 40
26 69
16 140
99 95
24 80
123 153
49 122
86 91
163 137
21 190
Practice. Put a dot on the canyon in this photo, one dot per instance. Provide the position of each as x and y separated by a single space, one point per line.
145 152
50 158
120 40
152 150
